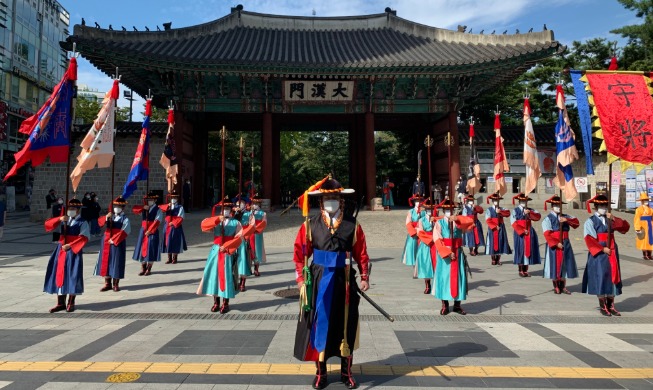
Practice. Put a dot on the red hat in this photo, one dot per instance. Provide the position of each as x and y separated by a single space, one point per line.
415 198
447 204
521 197
495 196
597 200
555 199
226 202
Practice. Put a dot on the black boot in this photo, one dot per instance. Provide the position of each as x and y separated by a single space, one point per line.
174 258
61 304
216 304
320 381
169 258
444 310
107 285
526 274
346 375
148 269
603 307
225 306
556 286
71 304
256 272
427 289
143 269
116 288
609 302
563 288
242 284
521 270
458 309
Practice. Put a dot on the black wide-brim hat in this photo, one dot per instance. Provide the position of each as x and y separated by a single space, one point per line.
119 201
447 204
74 203
173 194
521 197
151 195
332 187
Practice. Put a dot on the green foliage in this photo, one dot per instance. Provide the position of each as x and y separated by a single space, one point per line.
86 110
638 53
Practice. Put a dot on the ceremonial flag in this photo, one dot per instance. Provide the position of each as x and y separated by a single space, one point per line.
169 159
97 146
531 160
141 165
49 128
613 64
474 181
303 199
584 117
565 149
500 161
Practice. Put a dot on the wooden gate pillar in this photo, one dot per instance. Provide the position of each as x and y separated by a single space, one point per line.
370 158
266 156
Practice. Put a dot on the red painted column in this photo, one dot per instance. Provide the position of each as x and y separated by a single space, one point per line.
454 168
266 156
370 158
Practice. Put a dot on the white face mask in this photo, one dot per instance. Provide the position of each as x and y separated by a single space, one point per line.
556 209
416 205
255 207
173 201
428 213
71 213
522 204
226 212
447 214
331 206
470 204
150 203
602 211
645 203
88 196
496 203
117 210
60 201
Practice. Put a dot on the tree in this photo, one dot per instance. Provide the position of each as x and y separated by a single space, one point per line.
86 110
638 53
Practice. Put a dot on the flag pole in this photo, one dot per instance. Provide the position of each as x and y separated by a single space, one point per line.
147 183
223 136
251 185
241 144
113 159
428 142
609 221
472 147
73 101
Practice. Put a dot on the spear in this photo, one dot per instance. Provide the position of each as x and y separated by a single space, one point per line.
241 145
428 142
223 136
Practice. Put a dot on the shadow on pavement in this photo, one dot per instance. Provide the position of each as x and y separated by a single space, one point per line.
634 303
147 286
109 305
494 303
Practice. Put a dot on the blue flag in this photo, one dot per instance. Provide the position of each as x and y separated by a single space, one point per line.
585 118
141 165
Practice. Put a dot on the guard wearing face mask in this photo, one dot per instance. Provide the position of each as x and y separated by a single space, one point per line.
527 248
330 327
412 218
559 259
387 200
644 227
602 275
147 247
244 254
113 248
220 278
428 236
497 237
473 238
64 275
256 240
174 240
450 274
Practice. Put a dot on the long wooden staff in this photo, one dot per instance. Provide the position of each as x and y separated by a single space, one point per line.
113 159
609 220
73 102
428 142
223 136
147 185
241 144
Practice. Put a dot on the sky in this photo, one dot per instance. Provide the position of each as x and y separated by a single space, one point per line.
570 20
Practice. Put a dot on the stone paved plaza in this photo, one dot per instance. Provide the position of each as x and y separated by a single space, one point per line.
157 333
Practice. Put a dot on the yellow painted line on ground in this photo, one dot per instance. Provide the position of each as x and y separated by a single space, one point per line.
309 369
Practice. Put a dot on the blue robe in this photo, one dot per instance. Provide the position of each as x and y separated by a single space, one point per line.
597 278
442 277
519 241
73 282
410 247
259 215
424 262
469 238
244 253
174 240
154 244
386 198
117 254
210 283
502 236
569 269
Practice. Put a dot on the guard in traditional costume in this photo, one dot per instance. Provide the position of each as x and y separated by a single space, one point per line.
497 237
256 240
644 227
559 259
527 247
244 255
387 200
148 246
602 275
174 240
428 235
450 273
64 274
113 248
220 278
412 218
473 238
330 328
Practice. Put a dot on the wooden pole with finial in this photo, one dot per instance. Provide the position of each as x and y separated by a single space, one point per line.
241 145
223 137
147 185
428 142
73 101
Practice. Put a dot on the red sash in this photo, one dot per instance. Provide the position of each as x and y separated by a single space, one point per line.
527 238
616 276
146 239
61 260
222 277
495 233
106 248
433 251
453 272
252 245
560 254
168 228
414 224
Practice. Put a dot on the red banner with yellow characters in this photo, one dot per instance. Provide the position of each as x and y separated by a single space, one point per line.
624 107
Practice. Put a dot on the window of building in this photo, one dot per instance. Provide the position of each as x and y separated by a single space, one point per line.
15 89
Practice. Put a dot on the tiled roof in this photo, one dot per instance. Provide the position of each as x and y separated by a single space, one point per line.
156 128
372 41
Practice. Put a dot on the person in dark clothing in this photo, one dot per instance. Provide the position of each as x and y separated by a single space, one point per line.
50 198
85 213
94 214
58 210
186 195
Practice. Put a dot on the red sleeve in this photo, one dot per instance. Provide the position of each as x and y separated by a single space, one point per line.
552 238
464 222
261 225
520 227
504 213
620 225
573 222
209 223
425 237
77 244
478 209
176 221
119 237
52 223
232 245
164 207
154 226
249 230
137 209
593 245
492 223
443 250
411 230
102 220
298 252
359 253
534 216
